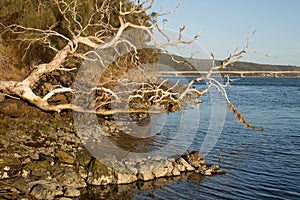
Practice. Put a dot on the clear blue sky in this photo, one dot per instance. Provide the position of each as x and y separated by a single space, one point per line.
224 26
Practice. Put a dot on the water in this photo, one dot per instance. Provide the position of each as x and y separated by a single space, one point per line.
258 165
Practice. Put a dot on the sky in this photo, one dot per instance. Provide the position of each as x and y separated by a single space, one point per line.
224 25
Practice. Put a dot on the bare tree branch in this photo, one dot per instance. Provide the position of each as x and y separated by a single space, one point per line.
79 44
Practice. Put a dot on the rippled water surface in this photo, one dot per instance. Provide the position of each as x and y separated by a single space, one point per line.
258 165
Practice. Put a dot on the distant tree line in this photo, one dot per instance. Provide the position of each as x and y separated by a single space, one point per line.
205 64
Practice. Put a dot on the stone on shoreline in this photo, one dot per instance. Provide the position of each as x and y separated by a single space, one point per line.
46 190
64 157
47 160
72 192
187 166
63 180
125 178
145 173
100 174
153 168
67 176
160 171
175 171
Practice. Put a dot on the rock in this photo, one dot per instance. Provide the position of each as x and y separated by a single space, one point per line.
210 170
46 190
132 169
170 167
4 175
48 86
176 171
194 155
72 192
84 157
100 174
214 167
171 160
9 166
10 110
160 171
195 158
82 172
4 143
35 155
219 171
67 176
145 172
125 178
180 167
25 173
64 157
50 150
207 173
203 168
119 164
39 174
39 169
202 162
196 164
59 98
135 159
145 176
2 97
19 183
156 158
187 166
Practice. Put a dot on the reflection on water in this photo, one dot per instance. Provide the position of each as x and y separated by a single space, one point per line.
142 189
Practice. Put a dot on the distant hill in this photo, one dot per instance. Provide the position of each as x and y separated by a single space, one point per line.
249 66
205 64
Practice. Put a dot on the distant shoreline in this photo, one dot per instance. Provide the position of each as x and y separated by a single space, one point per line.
235 76
265 77
242 74
205 64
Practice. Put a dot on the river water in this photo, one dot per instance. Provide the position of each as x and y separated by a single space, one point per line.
258 165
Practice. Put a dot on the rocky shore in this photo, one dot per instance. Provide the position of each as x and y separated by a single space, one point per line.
41 157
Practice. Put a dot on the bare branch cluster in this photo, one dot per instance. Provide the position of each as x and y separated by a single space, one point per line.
87 36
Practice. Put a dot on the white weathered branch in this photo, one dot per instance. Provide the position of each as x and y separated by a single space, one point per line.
81 45
108 91
56 91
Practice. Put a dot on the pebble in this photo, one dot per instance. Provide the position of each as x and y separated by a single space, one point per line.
46 191
72 192
176 172
25 173
207 173
187 166
159 172
125 178
181 168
